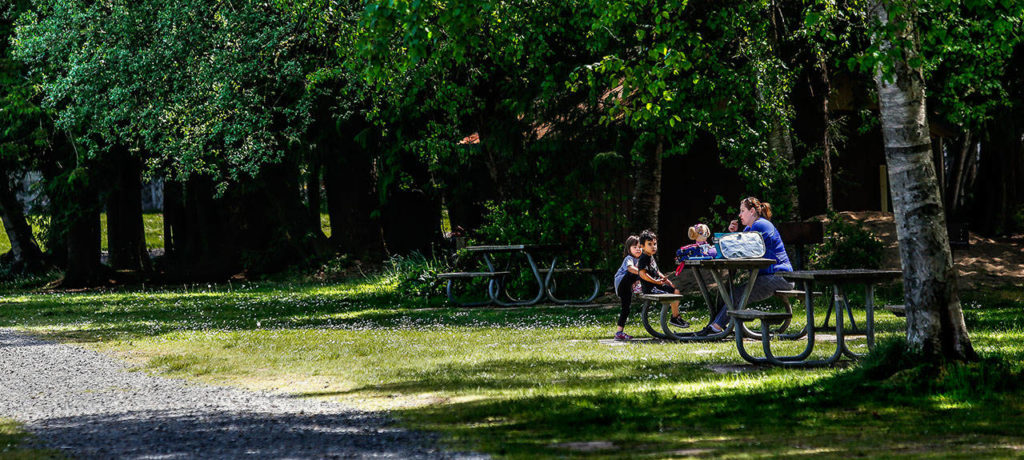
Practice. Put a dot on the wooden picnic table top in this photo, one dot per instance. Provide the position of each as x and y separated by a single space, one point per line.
730 263
512 247
851 275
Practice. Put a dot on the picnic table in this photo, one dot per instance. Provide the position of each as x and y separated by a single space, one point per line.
497 286
838 281
723 271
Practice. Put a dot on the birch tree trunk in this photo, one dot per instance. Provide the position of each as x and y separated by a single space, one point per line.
935 323
24 250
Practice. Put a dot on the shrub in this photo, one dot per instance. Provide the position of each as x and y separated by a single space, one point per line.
847 245
414 274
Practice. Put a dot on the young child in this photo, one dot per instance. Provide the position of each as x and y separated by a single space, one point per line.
651 280
625 278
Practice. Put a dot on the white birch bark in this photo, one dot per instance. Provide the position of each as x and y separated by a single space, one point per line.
935 324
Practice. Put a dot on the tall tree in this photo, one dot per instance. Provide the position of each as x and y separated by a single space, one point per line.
24 130
935 323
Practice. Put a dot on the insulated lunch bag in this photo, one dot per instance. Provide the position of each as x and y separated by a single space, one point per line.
740 245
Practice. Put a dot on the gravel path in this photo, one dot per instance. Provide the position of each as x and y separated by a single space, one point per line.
89 406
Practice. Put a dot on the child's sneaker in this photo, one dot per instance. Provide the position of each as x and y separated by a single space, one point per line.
678 321
623 336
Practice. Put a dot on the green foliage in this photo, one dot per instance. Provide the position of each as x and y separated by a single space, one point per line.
525 221
195 87
415 275
677 70
847 245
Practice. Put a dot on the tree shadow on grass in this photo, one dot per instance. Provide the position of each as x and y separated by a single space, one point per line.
513 375
824 419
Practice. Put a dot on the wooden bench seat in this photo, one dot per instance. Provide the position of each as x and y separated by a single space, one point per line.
661 297
898 310
452 275
792 293
770 317
569 270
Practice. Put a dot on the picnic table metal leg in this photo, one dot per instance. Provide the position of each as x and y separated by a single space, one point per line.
869 305
551 296
746 292
798 360
725 295
536 277
845 305
451 295
645 319
808 300
869 328
703 286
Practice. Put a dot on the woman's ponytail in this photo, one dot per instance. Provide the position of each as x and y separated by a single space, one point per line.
762 209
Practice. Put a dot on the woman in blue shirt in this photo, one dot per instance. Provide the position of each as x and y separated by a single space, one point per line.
755 215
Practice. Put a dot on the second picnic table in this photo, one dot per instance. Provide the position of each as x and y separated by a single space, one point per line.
497 284
838 281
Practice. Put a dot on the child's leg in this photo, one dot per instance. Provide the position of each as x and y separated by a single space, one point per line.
626 296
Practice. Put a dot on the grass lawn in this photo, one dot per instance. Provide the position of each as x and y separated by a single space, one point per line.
544 381
153 224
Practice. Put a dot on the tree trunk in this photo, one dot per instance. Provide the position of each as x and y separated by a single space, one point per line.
350 186
960 174
780 142
24 250
647 191
173 214
126 232
83 240
826 138
998 195
935 323
313 190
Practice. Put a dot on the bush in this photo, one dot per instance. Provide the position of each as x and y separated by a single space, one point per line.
414 274
847 245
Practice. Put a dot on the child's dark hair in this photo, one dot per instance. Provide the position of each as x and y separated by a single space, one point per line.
646 236
631 241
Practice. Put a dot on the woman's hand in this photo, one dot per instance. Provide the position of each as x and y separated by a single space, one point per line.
734 226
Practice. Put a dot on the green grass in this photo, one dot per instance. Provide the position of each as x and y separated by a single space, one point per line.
542 381
153 224
12 441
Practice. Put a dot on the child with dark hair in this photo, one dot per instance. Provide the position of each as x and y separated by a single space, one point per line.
625 278
651 280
